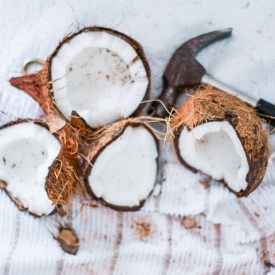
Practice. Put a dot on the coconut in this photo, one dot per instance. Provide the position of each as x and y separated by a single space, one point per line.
97 72
121 164
221 136
37 168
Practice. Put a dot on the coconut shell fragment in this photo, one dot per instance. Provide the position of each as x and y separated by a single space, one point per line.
68 240
121 164
222 136
38 170
99 73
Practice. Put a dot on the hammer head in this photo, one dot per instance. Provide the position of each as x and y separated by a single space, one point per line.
183 69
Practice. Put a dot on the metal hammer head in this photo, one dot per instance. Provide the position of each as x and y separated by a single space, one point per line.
183 69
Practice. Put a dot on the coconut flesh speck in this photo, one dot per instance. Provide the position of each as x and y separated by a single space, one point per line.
27 150
99 75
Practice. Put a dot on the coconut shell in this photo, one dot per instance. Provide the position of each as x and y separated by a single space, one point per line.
39 85
95 144
64 174
211 104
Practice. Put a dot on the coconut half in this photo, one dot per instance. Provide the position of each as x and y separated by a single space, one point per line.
123 165
99 73
27 151
221 136
68 240
37 169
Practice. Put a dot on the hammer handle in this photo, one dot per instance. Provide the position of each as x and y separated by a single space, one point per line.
166 98
266 109
263 107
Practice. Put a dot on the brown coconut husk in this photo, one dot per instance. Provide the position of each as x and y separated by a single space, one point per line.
39 85
64 175
100 139
211 104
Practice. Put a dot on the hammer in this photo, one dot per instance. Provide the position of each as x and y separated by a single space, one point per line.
183 71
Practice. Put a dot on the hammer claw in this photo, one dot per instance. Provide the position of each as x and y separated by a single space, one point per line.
183 70
196 44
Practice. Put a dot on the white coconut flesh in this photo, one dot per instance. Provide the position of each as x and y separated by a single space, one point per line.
100 76
215 149
27 150
125 171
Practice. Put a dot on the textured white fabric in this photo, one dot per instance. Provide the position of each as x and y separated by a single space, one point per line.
184 228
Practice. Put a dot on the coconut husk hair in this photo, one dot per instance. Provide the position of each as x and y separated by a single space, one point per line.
210 104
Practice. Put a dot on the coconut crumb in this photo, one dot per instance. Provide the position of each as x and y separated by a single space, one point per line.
205 181
189 223
88 204
3 184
